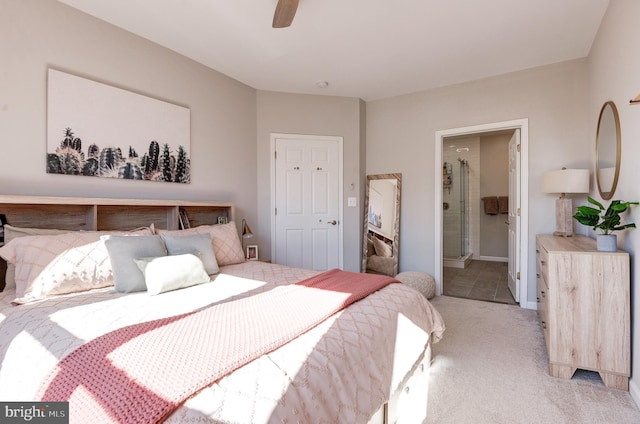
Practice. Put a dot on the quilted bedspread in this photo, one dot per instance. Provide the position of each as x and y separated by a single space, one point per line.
340 371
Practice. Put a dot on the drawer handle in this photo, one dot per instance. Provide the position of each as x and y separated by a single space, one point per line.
537 275
544 324
406 389
537 251
543 293
538 299
421 367
543 263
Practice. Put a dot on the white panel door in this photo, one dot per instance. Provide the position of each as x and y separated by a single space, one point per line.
514 205
307 200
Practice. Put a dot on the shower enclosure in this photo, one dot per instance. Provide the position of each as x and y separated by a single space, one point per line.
456 213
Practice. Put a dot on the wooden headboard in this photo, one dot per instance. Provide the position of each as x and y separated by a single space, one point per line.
82 213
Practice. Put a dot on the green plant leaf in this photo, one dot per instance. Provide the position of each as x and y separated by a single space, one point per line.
595 202
622 227
587 210
605 220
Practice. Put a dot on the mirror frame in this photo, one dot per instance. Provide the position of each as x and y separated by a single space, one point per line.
607 195
396 224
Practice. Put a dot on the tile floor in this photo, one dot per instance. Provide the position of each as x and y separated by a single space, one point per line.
481 280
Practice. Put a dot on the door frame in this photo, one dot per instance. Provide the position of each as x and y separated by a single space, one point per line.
512 218
523 125
272 163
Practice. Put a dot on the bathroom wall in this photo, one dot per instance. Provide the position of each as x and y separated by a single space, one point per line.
494 181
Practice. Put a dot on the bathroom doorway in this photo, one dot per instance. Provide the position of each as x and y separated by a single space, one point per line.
475 236
475 246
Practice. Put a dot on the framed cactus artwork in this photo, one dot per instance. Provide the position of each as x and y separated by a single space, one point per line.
98 130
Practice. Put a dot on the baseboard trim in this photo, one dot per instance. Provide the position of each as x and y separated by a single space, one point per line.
494 259
634 391
531 305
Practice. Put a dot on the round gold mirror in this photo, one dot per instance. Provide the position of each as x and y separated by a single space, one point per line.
608 144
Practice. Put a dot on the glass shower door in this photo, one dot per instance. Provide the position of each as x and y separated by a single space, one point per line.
456 205
464 204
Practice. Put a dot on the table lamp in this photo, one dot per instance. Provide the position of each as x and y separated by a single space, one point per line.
565 181
246 233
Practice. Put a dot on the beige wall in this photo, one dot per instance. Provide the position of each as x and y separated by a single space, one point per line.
314 115
614 74
401 135
37 34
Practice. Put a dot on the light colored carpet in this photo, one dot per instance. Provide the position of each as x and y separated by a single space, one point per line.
491 367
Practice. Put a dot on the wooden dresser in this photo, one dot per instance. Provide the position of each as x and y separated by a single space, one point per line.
583 305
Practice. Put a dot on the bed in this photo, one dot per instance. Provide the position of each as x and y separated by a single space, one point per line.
353 366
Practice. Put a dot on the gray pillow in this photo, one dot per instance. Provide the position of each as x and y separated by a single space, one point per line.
197 244
123 250
167 273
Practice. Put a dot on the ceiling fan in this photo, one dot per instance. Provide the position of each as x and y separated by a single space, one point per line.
285 11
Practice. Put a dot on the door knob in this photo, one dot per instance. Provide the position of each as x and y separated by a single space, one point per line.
334 222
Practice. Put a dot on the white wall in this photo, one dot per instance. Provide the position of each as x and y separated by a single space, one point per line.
401 132
315 115
38 34
614 74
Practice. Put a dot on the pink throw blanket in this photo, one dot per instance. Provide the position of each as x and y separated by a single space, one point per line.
142 373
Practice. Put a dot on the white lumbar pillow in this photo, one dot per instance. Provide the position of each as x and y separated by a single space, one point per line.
166 273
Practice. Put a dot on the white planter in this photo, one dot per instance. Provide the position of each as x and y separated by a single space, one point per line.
607 242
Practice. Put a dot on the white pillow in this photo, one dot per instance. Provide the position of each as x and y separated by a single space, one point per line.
50 265
167 273
10 233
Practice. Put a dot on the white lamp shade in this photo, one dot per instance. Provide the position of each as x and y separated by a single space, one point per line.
566 181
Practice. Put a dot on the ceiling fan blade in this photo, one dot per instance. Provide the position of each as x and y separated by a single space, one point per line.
285 11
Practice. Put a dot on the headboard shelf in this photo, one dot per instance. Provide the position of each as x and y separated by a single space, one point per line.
71 217
82 213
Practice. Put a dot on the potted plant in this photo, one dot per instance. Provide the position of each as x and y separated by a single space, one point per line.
607 221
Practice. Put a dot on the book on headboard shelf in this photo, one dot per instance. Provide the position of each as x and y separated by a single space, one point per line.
184 219
3 220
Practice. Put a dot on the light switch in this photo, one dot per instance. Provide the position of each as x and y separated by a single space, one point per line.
352 202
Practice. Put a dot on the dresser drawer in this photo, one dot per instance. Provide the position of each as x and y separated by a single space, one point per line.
542 262
542 292
407 405
543 307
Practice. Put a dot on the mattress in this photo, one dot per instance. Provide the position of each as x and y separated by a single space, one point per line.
342 370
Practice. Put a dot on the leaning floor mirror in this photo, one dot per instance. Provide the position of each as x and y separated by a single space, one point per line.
381 242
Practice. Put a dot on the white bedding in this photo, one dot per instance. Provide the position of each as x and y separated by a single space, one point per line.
340 371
